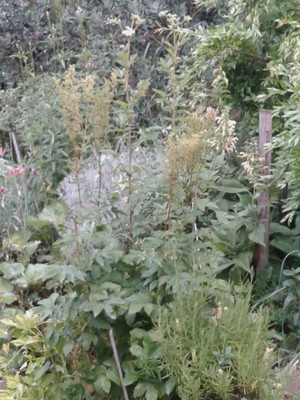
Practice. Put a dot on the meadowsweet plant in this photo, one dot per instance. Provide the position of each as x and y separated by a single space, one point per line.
85 111
203 136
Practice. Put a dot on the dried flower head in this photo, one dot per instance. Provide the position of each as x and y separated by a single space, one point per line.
225 138
210 118
250 163
97 104
204 134
85 110
69 95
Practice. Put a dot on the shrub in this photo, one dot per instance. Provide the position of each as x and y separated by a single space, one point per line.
221 351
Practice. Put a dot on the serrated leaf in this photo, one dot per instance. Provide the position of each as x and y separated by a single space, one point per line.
130 378
151 392
97 308
139 390
148 308
134 257
55 213
137 351
113 376
105 383
135 308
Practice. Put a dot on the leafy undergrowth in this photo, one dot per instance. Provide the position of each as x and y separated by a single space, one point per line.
128 183
206 344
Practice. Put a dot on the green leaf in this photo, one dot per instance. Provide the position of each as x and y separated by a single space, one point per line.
137 333
97 308
137 302
135 308
87 339
55 213
68 347
140 389
257 236
243 261
27 340
5 286
18 240
56 272
11 270
283 243
12 381
130 378
134 257
289 298
137 351
105 383
36 222
170 385
291 283
275 227
148 308
35 272
39 372
283 85
102 384
151 392
230 186
8 298
113 376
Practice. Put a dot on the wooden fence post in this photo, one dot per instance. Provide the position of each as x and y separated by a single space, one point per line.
263 201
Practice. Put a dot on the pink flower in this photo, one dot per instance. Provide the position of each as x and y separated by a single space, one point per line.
16 171
20 170
90 64
2 189
11 170
33 171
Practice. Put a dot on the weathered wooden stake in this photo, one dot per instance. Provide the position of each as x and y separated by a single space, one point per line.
263 201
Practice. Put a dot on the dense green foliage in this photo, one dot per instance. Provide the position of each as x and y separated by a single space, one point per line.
128 183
